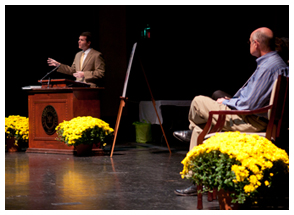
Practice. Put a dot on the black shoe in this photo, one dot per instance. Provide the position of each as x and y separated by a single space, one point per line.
190 191
184 136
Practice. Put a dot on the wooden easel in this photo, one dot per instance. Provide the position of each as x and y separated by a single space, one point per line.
120 109
123 101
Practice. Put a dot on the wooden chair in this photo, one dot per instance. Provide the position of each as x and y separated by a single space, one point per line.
279 102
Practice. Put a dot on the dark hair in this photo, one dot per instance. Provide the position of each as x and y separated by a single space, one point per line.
88 36
282 47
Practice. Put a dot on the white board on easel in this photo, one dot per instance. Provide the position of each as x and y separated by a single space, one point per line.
128 71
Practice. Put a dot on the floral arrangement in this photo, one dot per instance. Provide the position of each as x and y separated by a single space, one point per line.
18 127
84 130
237 163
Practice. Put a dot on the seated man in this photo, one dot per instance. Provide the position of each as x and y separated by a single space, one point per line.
254 94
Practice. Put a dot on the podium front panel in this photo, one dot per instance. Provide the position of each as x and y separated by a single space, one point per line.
49 107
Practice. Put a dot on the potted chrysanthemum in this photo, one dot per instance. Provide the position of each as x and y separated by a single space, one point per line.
16 131
83 132
240 164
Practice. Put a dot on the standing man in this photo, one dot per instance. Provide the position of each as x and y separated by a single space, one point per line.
254 94
88 65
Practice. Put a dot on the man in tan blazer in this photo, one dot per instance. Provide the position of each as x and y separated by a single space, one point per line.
88 65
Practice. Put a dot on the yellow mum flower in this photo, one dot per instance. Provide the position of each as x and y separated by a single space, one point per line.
17 126
252 155
80 129
249 188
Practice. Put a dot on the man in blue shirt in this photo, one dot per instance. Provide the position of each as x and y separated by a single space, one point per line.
254 94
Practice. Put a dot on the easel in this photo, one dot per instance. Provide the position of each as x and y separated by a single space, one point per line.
123 101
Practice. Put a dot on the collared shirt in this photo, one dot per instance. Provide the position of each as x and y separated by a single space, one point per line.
86 53
256 93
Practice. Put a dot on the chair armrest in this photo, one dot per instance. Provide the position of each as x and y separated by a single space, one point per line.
221 120
241 112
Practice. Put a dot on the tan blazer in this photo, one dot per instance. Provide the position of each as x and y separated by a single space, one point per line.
93 67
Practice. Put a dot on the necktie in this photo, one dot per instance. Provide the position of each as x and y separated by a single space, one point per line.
81 60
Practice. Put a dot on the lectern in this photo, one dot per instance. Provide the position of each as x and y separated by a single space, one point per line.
57 100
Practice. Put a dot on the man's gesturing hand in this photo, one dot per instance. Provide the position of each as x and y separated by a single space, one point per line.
52 62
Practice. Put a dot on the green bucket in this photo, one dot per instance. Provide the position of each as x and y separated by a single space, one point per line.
143 132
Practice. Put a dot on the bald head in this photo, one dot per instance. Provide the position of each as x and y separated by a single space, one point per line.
265 37
265 31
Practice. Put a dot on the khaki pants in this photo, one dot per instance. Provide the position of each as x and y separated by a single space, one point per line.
199 112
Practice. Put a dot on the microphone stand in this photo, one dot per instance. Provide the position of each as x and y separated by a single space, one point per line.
48 82
49 74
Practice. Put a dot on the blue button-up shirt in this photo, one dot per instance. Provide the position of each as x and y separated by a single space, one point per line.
256 93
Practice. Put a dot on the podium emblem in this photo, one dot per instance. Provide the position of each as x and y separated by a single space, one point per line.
49 119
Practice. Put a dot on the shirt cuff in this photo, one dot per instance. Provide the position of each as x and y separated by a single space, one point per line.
225 102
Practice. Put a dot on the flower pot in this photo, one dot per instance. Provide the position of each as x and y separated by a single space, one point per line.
10 145
83 150
225 200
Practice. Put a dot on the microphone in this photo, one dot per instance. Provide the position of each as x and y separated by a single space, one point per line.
50 72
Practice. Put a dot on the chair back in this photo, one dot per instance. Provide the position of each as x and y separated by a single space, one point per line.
272 98
278 113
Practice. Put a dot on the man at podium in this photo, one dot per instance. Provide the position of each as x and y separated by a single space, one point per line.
88 65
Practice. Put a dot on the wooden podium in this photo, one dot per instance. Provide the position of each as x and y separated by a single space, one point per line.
55 101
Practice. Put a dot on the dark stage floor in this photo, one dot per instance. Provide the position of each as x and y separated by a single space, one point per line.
139 176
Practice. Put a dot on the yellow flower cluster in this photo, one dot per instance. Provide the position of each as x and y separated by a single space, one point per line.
73 130
255 153
17 126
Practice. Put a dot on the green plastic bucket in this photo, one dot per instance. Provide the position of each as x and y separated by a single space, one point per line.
143 132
